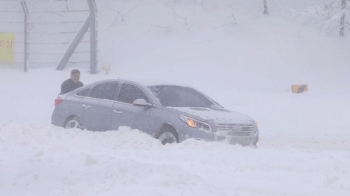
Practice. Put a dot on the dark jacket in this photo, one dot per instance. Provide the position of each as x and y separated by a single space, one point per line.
69 85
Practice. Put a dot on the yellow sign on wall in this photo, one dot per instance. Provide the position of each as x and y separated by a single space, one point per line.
6 47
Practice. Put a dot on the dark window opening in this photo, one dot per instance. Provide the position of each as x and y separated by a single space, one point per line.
84 93
104 91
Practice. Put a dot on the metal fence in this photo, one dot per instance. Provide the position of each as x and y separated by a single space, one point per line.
55 34
11 21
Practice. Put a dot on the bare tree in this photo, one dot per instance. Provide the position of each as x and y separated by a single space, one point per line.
334 12
181 17
342 19
121 14
266 9
232 23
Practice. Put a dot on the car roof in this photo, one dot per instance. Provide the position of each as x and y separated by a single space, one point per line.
145 82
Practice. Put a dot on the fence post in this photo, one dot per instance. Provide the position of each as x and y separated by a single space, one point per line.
93 44
25 34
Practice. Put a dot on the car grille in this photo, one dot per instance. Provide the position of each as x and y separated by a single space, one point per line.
236 129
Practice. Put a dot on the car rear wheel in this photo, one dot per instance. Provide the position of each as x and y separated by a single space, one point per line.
73 123
168 136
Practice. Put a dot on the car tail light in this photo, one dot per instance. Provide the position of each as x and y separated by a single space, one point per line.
58 101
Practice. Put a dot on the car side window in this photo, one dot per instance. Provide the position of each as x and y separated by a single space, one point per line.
84 93
129 93
104 91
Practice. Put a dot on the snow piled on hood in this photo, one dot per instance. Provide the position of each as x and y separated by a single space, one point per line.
218 115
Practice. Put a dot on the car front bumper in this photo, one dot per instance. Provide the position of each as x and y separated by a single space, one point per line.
251 140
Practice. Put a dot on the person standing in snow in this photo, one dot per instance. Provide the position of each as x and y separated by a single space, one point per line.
72 83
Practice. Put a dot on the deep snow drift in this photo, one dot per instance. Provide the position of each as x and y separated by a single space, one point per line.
43 160
226 49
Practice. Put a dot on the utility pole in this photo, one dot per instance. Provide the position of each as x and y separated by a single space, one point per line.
342 19
266 9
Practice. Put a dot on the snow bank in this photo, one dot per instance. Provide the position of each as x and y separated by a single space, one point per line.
46 160
247 66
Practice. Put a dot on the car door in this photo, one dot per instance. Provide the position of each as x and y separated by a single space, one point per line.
136 117
98 106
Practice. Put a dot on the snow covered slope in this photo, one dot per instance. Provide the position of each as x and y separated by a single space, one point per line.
226 48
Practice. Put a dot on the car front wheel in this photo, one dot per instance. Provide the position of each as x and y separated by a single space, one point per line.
168 136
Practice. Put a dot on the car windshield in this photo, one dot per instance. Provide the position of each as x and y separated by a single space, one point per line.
178 96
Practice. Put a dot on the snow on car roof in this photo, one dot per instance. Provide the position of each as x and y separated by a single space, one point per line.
150 81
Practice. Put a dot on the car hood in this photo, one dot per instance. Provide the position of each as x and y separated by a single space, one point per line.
219 115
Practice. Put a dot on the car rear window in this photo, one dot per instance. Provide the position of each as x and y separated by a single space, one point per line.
84 93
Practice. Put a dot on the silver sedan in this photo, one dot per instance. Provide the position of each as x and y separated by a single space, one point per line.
170 113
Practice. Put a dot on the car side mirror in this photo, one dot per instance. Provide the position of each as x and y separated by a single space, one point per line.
142 102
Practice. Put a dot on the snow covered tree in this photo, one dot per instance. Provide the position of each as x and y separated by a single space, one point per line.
334 12
266 10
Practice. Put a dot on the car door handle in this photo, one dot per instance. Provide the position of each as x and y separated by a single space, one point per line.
117 112
85 106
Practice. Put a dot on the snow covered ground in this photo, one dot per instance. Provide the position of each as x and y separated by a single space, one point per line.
247 67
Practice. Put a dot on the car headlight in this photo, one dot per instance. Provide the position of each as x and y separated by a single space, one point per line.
195 123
